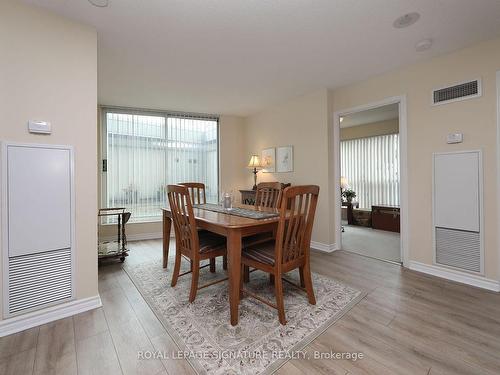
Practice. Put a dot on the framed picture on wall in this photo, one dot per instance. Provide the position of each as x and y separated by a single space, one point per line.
268 159
284 159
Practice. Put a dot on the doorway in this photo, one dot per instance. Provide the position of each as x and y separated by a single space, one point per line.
370 145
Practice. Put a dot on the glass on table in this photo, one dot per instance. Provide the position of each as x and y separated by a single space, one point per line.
227 200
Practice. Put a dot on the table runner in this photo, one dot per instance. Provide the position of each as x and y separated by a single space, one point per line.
237 211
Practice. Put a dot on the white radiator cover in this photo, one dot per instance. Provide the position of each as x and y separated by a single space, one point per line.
37 226
458 210
39 279
459 249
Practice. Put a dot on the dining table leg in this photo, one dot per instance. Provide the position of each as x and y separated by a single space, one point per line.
167 225
234 255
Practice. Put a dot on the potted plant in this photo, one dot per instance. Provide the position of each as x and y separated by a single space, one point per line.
349 194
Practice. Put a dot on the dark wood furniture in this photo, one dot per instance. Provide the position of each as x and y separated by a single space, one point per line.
350 216
248 197
268 194
386 218
291 248
362 217
198 196
349 208
118 247
353 204
196 192
189 242
234 228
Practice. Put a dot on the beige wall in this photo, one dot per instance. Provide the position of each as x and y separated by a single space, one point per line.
303 123
370 130
232 174
48 71
307 123
427 129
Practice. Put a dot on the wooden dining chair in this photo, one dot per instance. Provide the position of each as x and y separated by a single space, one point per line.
198 196
196 192
191 243
268 195
290 249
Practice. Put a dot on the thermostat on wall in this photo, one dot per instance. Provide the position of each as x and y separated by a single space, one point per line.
455 138
42 127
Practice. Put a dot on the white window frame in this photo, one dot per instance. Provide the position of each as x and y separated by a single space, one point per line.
104 110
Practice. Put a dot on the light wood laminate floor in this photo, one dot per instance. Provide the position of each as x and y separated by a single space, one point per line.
408 323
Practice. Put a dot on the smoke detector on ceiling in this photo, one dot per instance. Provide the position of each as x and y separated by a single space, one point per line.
423 45
99 3
406 20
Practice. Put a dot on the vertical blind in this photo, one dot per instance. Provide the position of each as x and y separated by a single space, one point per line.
145 153
371 166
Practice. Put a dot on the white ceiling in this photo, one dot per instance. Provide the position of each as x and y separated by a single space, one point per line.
240 56
387 112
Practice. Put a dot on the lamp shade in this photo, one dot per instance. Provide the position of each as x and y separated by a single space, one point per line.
343 182
254 162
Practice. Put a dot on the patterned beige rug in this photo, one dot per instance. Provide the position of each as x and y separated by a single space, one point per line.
258 344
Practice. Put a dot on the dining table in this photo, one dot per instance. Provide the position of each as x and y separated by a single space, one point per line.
234 228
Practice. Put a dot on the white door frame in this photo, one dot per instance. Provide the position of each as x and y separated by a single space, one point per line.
403 192
498 171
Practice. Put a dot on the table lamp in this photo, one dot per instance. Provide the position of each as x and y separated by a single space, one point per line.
256 165
343 182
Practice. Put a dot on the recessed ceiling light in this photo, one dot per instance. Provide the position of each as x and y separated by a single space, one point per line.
406 20
423 45
99 3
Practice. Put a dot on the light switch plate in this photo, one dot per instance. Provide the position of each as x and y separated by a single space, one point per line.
42 127
454 138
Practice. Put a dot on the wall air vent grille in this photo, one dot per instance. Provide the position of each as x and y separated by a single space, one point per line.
36 280
458 248
467 90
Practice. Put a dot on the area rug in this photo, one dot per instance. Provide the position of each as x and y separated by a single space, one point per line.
259 344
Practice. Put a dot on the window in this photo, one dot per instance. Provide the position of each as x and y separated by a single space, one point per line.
144 152
371 166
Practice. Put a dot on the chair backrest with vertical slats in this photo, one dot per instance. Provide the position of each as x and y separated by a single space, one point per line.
298 207
186 234
268 194
196 191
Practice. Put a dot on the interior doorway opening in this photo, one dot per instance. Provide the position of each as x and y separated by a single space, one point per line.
370 178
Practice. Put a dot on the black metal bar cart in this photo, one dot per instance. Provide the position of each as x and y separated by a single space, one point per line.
118 247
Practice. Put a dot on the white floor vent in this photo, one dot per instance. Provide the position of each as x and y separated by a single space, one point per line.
459 249
40 279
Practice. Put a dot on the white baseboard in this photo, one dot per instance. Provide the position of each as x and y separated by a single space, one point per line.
152 236
144 236
324 247
135 237
455 275
36 318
